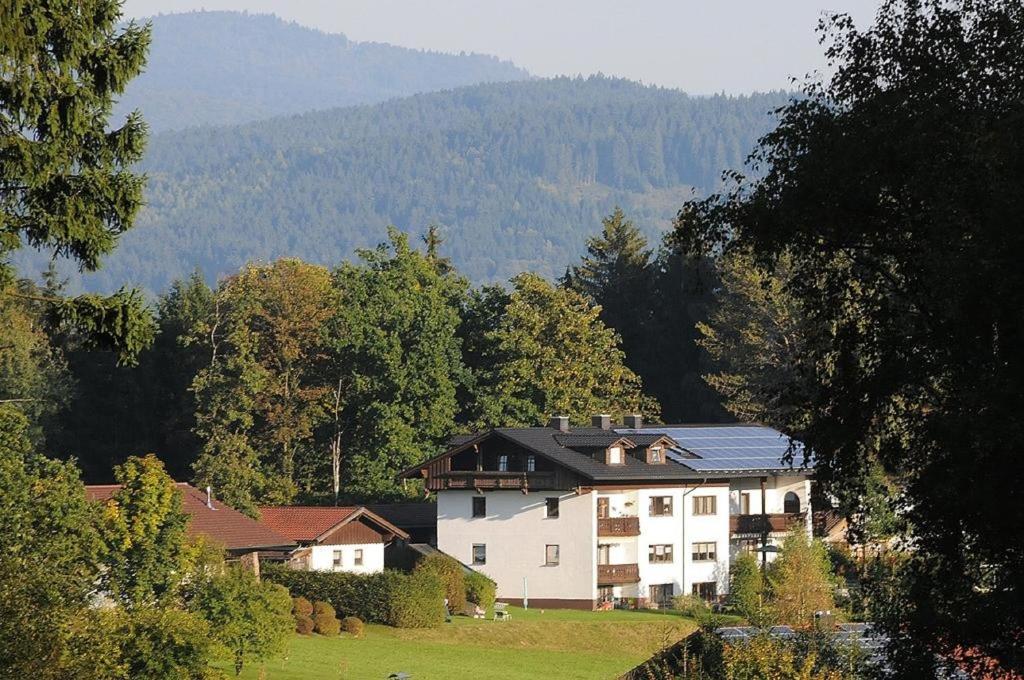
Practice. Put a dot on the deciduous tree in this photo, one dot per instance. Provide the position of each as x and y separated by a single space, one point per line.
543 350
894 187
143 530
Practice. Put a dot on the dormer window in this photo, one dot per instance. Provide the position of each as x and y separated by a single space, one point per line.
655 454
615 455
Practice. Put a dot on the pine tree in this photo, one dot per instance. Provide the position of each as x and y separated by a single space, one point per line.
65 179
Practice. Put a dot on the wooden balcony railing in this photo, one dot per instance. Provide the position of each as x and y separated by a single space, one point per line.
617 574
487 479
618 526
757 524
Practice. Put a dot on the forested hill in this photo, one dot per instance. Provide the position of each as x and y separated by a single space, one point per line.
516 175
230 67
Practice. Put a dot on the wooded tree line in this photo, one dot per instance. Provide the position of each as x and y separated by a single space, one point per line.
289 381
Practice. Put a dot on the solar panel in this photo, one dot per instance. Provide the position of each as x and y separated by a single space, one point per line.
730 448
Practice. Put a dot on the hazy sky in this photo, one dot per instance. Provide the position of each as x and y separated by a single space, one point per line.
700 46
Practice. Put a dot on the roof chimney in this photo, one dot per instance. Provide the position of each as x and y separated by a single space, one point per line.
560 423
601 420
633 422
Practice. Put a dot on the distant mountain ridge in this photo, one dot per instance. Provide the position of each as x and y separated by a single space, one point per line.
222 68
517 175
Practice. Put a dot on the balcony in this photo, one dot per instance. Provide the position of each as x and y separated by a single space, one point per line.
618 526
617 574
773 523
489 479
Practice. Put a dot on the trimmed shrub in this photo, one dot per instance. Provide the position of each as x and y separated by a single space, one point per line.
304 625
302 607
451 575
387 597
325 624
481 590
418 602
324 620
321 608
353 625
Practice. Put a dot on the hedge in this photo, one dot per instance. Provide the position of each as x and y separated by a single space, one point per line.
451 575
481 590
389 597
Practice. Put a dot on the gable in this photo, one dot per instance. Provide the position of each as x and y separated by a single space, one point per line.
357 531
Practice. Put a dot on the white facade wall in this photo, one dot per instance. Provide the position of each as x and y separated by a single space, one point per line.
775 492
322 558
680 530
516 532
707 529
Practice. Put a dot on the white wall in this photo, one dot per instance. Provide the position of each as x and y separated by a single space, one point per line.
776 489
322 558
679 530
705 529
775 493
516 532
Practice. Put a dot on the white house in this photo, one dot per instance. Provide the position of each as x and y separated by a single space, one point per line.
574 517
348 539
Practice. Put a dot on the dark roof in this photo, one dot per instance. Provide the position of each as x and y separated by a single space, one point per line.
313 523
407 515
695 452
545 441
223 524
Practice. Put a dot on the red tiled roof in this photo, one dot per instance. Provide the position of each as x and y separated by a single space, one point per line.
308 523
223 524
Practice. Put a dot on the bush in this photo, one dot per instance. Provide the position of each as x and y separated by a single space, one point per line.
302 607
481 590
419 602
322 609
353 625
325 624
451 574
304 625
389 597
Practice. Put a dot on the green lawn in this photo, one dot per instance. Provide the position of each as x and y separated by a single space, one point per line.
556 643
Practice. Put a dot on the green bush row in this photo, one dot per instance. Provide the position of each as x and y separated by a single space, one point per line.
390 597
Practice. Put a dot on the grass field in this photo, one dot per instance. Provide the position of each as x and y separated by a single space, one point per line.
561 643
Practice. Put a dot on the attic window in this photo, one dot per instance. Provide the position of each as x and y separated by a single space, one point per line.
615 455
655 454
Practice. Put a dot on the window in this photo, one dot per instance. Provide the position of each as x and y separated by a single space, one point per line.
791 503
358 558
707 590
602 507
659 553
337 559
749 545
531 463
479 506
606 594
615 455
551 508
503 463
604 553
704 552
704 505
551 555
661 506
479 553
744 503
661 594
654 454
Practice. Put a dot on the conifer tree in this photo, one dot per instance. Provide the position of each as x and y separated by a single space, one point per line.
66 184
